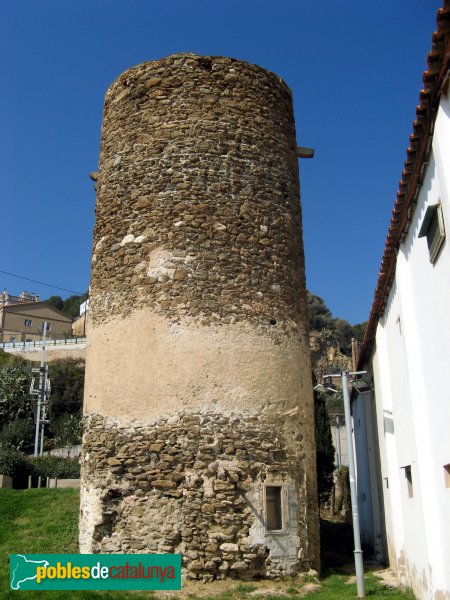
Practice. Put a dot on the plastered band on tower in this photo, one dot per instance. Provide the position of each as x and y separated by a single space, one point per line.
199 424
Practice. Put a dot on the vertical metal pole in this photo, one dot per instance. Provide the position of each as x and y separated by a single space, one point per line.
41 397
338 441
359 567
43 412
41 448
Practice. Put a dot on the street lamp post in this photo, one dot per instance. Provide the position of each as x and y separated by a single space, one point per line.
358 554
338 427
359 567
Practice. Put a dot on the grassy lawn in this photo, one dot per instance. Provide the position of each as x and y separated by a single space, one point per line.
45 521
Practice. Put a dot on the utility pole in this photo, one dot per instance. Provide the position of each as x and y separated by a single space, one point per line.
357 552
338 427
43 396
359 567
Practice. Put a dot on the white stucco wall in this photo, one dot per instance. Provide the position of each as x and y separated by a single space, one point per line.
339 433
410 365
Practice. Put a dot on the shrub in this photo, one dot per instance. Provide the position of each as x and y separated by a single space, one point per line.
67 377
15 402
13 463
68 430
18 434
54 466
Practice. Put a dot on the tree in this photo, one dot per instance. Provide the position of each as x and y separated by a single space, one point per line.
321 320
344 333
67 381
70 306
55 301
359 331
19 434
15 402
319 314
324 449
68 430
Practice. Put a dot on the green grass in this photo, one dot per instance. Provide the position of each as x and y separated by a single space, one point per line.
333 587
41 521
46 521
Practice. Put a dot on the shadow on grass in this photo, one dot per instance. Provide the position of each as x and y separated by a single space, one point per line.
336 548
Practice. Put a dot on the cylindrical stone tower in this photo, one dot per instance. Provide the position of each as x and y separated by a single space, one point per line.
199 424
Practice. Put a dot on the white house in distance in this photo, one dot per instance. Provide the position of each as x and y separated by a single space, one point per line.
402 429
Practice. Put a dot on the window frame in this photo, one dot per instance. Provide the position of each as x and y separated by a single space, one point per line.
407 469
433 230
284 508
447 475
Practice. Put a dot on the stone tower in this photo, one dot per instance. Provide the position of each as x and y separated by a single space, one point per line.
199 426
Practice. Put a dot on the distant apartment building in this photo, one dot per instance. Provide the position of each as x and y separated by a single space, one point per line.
22 318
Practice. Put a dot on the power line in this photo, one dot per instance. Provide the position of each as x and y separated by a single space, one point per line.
56 287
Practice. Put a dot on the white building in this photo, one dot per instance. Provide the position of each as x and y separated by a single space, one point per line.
402 429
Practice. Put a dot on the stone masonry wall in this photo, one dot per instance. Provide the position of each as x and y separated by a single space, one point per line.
193 484
198 209
198 378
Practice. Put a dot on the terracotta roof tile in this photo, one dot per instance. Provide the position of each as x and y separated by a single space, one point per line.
434 78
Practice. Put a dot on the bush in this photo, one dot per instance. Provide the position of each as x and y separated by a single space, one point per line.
54 466
18 435
67 377
4 357
15 402
68 430
13 463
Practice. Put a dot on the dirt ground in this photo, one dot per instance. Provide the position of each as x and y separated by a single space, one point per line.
336 553
261 588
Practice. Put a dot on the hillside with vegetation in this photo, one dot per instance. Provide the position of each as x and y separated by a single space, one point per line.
17 410
70 306
331 352
330 339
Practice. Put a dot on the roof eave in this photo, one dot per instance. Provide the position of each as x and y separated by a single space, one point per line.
436 82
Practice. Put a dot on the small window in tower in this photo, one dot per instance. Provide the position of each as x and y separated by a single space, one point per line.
274 509
433 229
408 476
447 475
28 322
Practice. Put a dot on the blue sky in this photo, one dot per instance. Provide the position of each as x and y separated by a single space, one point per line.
354 68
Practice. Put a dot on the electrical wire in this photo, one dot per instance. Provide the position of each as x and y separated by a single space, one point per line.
56 287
